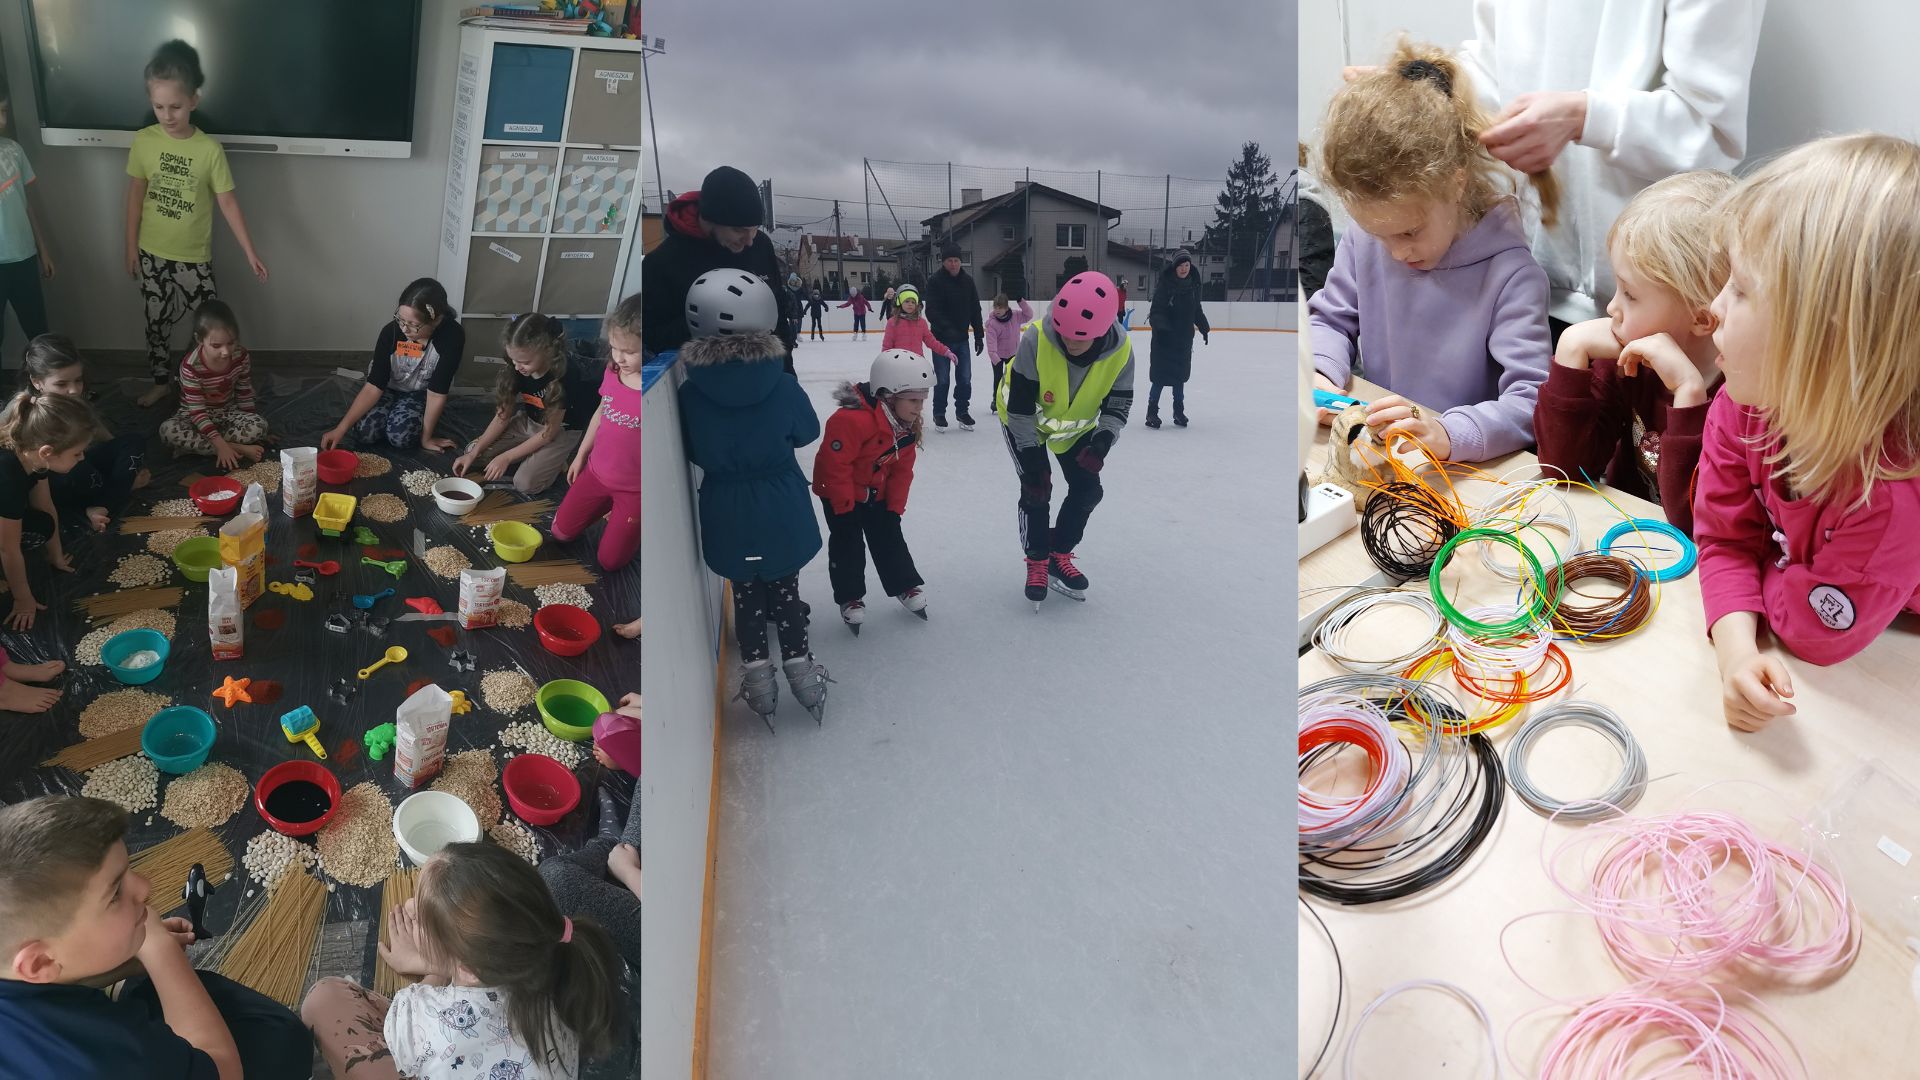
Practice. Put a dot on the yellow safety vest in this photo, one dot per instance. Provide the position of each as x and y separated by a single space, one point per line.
1062 419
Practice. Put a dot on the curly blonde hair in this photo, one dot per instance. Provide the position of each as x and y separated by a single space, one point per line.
1670 232
1828 234
1411 129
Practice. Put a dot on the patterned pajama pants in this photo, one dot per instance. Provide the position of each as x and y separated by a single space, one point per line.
396 419
234 426
756 603
172 290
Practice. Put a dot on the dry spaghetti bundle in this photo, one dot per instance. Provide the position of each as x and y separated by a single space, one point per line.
500 506
82 756
165 865
398 889
532 575
152 524
273 953
127 601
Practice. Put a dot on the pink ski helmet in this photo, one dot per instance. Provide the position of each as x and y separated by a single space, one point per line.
1085 307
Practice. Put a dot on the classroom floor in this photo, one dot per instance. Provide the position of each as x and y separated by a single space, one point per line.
305 657
996 858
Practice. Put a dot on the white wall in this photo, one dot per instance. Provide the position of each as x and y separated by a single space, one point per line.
340 237
679 653
1822 68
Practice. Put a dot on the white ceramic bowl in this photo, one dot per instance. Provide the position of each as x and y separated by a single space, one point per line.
457 507
430 820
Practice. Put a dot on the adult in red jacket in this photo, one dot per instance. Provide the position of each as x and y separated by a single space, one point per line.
862 473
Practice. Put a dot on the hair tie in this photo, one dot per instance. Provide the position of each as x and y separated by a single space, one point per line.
1427 71
566 933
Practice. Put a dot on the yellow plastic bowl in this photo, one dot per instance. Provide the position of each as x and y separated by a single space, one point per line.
514 541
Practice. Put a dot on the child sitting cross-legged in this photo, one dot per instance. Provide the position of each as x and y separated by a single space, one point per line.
74 919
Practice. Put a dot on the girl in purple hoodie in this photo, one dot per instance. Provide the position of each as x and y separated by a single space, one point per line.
1003 334
1436 283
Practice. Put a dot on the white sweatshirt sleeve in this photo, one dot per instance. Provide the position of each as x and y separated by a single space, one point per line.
1697 117
1476 56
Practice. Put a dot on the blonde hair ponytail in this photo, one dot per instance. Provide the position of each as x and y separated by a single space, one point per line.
1412 129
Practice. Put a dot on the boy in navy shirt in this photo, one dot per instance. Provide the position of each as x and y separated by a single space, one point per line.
73 917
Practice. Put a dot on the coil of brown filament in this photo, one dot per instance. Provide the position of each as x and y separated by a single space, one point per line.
1605 617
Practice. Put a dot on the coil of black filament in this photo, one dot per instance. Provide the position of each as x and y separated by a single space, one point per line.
1609 617
1403 527
1430 845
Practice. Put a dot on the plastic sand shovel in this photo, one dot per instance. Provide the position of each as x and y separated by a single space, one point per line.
327 568
364 536
395 654
365 601
295 590
397 567
301 725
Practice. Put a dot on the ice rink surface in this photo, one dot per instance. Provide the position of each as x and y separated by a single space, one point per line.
1032 845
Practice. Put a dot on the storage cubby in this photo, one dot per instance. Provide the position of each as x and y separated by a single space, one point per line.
543 169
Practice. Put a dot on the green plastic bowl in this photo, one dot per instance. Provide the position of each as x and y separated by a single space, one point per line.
197 557
569 707
514 541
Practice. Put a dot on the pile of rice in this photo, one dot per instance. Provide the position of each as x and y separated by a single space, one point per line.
264 473
372 465
470 776
383 508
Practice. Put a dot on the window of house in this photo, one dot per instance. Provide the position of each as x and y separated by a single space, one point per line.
1073 237
1006 232
1143 281
1218 277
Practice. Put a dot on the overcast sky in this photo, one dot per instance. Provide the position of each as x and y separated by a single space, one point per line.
786 92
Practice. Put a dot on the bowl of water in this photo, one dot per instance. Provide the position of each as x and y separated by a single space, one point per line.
178 739
427 821
569 707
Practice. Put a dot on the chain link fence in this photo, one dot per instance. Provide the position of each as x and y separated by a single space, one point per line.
1024 231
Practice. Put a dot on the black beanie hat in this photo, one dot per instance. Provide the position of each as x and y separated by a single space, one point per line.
949 250
730 197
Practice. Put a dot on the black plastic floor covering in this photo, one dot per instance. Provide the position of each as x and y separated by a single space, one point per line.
303 656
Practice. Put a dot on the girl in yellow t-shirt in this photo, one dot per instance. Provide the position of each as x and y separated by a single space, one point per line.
176 173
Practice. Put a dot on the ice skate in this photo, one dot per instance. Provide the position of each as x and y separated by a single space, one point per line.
1179 419
915 600
853 613
759 690
808 680
940 423
1036 581
1153 421
1065 578
966 421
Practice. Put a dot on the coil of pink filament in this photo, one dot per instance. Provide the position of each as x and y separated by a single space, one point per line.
1677 1030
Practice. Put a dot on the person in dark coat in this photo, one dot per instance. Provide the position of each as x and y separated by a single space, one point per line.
1173 317
742 418
717 227
817 307
953 308
886 307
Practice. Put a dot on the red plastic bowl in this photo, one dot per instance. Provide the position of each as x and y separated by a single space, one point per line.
566 630
298 770
540 789
202 493
337 466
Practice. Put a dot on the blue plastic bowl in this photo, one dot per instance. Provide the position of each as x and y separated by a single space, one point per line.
178 739
120 646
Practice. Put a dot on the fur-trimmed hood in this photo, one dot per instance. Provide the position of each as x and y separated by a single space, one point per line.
735 370
853 395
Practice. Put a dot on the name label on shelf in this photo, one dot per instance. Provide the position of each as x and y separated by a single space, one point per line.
519 155
613 77
576 255
505 253
600 159
523 129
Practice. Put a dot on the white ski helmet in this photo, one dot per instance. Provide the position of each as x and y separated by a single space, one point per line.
730 302
896 370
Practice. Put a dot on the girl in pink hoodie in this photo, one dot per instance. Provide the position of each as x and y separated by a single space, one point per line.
1807 503
859 303
1003 334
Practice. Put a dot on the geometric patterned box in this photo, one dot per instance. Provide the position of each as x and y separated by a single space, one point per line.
515 189
596 191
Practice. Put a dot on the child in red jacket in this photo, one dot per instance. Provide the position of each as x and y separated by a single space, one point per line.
862 473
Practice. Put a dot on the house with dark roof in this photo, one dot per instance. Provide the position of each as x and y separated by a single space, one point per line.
1031 231
820 258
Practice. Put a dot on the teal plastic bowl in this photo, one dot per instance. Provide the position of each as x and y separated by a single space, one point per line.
120 646
178 739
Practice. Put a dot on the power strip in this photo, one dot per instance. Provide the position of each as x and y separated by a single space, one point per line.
1330 513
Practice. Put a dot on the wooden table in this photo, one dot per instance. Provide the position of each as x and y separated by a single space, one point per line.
1663 681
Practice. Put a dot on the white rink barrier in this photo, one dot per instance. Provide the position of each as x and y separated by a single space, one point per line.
1222 315
680 658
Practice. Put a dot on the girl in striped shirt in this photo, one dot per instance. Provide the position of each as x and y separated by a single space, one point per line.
217 414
